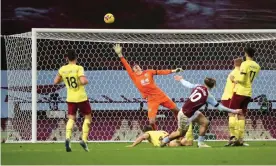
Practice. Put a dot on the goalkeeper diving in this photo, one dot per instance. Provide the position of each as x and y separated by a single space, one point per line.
145 83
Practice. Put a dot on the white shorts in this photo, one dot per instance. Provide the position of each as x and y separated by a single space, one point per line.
182 121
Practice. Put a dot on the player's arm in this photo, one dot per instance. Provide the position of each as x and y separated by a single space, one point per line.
240 78
184 82
82 77
212 101
145 136
58 78
118 50
165 72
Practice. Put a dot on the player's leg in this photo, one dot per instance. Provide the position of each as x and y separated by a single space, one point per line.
174 143
231 123
241 120
168 103
72 110
236 103
182 121
189 137
152 112
203 126
85 109
185 142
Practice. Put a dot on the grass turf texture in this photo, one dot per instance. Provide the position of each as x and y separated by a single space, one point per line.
117 153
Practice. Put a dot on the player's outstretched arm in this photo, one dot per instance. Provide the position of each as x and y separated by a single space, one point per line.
118 50
184 82
165 72
212 101
82 77
240 78
139 140
58 79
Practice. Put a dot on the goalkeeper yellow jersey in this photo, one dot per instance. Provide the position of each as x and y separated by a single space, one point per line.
230 86
249 70
155 137
70 75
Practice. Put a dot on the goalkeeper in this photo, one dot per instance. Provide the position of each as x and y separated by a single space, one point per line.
144 81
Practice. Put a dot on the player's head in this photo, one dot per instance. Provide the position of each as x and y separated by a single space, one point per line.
147 128
249 52
210 82
137 69
71 55
237 62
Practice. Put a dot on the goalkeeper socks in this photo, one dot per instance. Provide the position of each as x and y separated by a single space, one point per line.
85 129
69 127
241 128
232 126
154 126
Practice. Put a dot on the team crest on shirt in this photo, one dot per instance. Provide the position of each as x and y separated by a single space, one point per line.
145 81
146 75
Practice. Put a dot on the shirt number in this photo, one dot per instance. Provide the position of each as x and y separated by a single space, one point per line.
72 82
252 75
195 96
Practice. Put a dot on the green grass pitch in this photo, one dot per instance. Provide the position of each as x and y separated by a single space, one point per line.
260 153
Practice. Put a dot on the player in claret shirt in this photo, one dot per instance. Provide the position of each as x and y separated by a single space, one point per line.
143 80
189 113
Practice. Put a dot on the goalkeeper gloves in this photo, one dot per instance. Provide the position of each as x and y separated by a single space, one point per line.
118 50
177 70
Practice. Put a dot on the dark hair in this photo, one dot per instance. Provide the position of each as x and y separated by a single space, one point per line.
210 82
250 51
71 55
147 128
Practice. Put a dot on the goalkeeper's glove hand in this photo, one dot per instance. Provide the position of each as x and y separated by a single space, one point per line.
118 50
177 70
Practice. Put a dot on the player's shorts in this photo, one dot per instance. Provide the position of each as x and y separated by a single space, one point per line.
182 121
240 102
154 103
83 107
226 103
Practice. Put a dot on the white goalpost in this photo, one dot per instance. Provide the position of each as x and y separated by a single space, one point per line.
37 108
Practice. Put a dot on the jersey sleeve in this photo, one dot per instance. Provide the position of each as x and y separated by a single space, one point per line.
212 101
128 68
160 72
187 84
243 72
59 71
81 71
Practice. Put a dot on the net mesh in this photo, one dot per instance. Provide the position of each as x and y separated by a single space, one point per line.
119 112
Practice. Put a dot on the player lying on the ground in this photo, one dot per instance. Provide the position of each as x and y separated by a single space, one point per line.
155 136
189 112
226 98
144 81
75 80
249 70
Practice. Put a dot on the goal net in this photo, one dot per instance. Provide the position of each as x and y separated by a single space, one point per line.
119 112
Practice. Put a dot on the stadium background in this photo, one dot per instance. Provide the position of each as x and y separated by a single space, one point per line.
21 16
